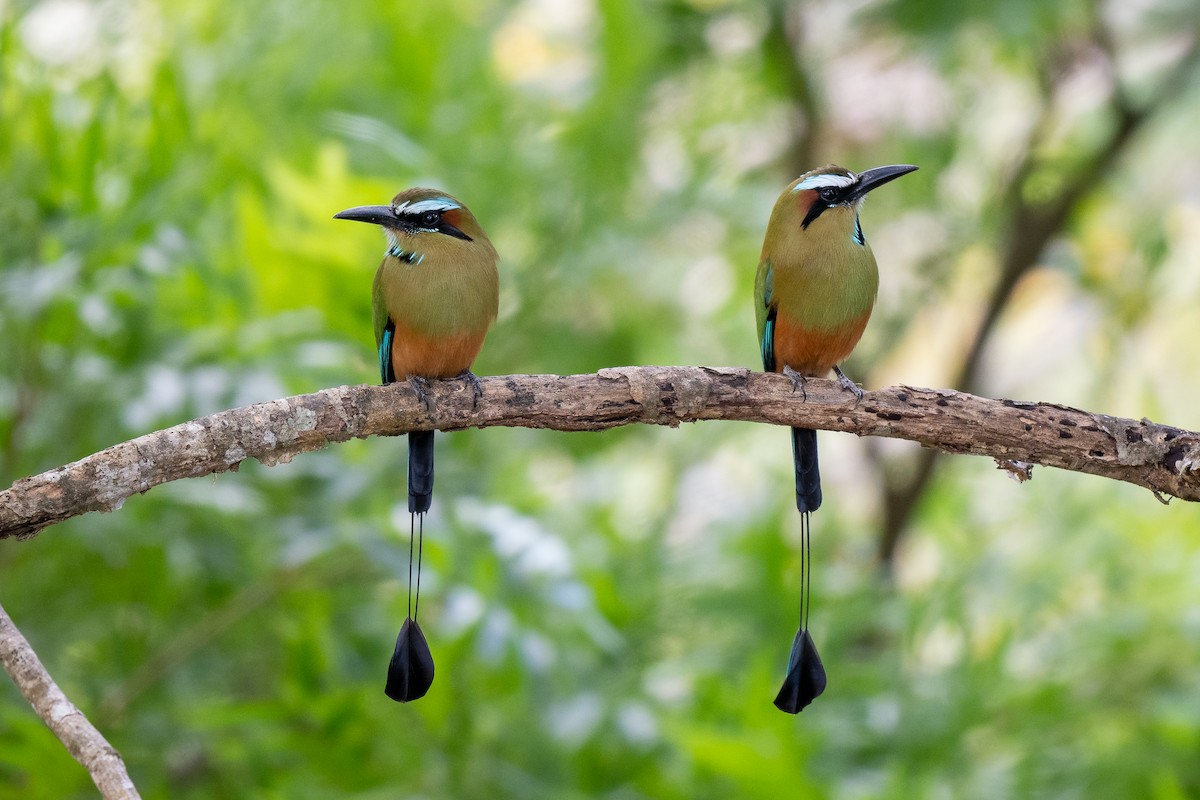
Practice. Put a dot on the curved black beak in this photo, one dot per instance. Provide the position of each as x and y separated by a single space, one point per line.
874 178
377 215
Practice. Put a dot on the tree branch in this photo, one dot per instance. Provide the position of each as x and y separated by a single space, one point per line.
86 744
1163 459
1029 229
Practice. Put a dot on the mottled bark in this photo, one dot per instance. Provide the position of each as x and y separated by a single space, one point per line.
1160 458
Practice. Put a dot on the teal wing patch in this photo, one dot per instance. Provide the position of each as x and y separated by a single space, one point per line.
386 373
767 345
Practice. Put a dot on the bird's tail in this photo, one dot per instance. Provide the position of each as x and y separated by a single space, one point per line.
805 674
808 475
420 471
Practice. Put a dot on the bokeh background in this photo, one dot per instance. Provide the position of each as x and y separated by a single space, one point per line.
610 612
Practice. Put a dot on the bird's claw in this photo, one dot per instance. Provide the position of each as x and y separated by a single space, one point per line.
848 384
797 380
420 387
476 386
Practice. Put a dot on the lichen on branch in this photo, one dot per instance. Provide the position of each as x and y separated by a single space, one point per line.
1163 459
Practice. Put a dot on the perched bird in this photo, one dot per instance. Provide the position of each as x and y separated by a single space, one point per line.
435 296
813 294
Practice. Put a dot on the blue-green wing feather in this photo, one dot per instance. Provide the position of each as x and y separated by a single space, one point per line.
386 373
766 315
767 345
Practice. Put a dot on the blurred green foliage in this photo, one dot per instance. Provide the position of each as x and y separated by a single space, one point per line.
610 613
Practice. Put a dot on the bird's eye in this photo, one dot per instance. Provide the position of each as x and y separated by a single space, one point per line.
430 218
829 194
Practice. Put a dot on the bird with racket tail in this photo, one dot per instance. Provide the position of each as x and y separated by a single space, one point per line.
435 295
813 294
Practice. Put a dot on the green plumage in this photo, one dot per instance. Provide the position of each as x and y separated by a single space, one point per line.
819 277
813 293
451 290
434 296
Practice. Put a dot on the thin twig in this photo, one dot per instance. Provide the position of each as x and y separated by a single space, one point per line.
86 744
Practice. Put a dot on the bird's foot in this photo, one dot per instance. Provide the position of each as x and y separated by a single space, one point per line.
847 384
797 380
476 385
420 387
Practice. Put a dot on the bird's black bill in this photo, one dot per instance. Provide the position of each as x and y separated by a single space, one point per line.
410 674
805 677
377 215
874 178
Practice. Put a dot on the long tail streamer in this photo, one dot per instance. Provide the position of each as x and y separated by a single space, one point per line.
410 673
805 674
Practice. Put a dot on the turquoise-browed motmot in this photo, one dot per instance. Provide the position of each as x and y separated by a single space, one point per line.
813 294
435 295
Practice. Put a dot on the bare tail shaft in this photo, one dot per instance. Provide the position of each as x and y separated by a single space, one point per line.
420 471
808 475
